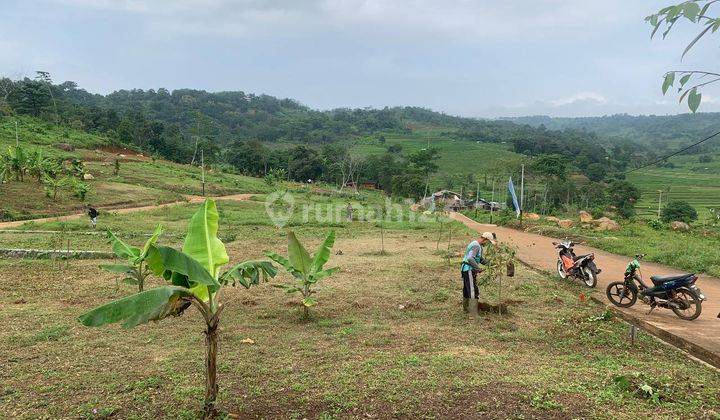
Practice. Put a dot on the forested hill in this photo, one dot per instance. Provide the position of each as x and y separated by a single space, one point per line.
661 132
172 123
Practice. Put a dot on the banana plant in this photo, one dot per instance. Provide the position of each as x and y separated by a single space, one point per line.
16 161
135 269
194 279
53 184
306 269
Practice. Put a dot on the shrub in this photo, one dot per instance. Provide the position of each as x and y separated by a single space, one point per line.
679 210
597 212
656 224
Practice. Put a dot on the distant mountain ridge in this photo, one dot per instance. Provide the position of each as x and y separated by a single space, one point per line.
657 131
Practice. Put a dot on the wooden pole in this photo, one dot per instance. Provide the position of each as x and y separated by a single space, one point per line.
492 200
522 191
477 199
202 164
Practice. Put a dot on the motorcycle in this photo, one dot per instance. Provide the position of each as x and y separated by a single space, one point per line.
577 266
679 293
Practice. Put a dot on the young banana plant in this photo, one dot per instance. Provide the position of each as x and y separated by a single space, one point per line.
194 278
135 269
306 269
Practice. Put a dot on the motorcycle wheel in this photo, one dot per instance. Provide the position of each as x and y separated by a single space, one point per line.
561 270
621 295
589 278
690 304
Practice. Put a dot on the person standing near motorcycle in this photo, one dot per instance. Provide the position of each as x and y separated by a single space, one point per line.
470 268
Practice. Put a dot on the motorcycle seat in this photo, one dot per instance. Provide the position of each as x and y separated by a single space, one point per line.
665 279
577 257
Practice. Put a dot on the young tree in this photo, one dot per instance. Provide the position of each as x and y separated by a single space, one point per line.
136 269
306 269
194 278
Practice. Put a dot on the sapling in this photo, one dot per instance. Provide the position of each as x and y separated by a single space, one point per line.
194 278
499 257
306 269
135 269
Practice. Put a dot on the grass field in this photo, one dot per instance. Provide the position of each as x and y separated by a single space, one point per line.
457 158
32 131
141 181
701 190
388 339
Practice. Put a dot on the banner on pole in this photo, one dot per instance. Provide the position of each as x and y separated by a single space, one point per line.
511 189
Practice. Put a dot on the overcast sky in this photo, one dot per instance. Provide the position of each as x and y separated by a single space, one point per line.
473 58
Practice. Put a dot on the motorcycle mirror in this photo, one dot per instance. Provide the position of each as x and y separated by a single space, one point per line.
554 243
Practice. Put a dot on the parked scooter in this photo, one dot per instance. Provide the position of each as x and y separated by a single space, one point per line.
577 266
678 293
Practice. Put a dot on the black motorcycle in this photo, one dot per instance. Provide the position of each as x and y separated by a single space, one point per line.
678 293
577 266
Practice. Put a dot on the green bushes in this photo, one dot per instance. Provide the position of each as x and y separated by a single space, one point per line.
678 211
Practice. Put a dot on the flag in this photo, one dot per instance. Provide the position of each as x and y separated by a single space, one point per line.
511 189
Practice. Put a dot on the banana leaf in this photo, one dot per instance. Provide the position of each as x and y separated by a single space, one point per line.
140 308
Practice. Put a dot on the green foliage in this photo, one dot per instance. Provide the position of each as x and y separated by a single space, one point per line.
554 166
306 269
275 177
678 211
80 188
667 18
595 172
135 271
194 278
623 196
656 224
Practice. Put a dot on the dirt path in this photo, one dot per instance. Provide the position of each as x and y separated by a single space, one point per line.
538 252
189 199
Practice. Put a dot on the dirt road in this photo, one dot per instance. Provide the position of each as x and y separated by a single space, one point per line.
704 332
189 199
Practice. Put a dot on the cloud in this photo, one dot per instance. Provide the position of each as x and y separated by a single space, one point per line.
462 20
581 97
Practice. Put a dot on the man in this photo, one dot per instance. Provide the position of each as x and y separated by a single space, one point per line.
93 213
471 267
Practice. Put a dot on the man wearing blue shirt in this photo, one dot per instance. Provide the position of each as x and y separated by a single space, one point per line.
470 268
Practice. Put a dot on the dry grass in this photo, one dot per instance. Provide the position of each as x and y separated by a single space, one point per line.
388 339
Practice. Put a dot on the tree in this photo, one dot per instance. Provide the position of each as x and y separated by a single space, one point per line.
424 160
408 185
135 269
552 166
34 97
595 172
306 269
304 164
667 17
678 211
623 196
193 276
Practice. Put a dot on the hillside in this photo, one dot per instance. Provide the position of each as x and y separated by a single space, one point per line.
140 181
661 132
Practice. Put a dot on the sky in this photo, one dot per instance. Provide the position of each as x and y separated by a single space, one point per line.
484 58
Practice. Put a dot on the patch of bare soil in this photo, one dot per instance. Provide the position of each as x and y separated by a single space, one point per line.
501 401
